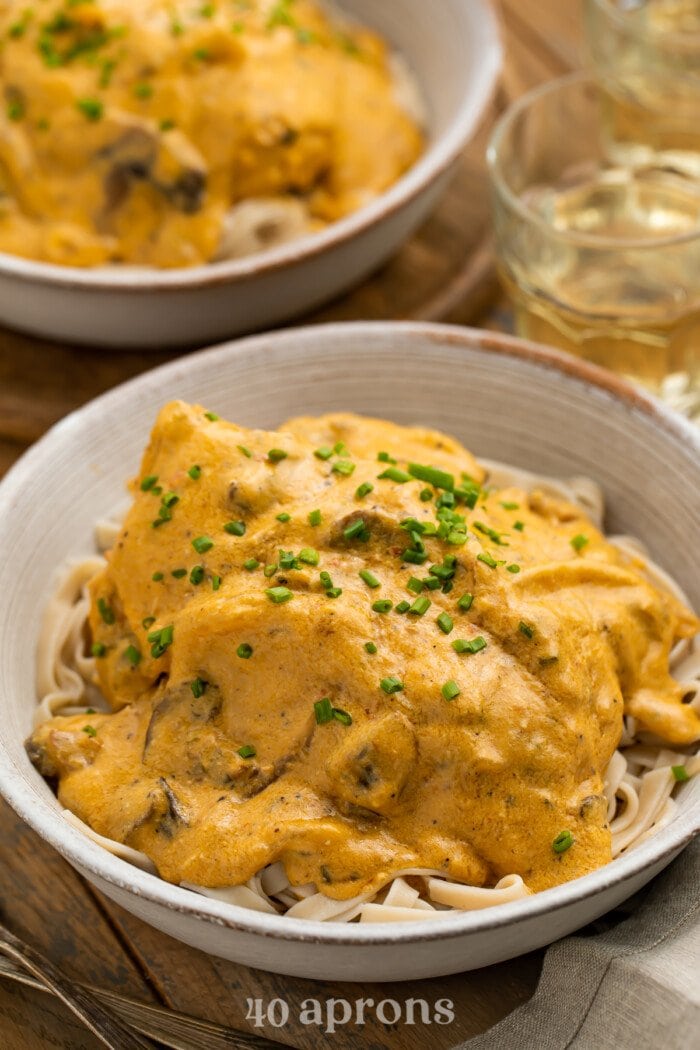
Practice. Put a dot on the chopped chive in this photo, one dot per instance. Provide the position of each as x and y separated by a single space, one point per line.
445 622
457 537
309 556
414 557
195 472
486 530
344 467
212 417
251 564
147 622
447 586
133 655
215 582
157 577
471 645
105 611
469 496
443 572
391 685
284 517
278 595
170 499
519 525
235 528
325 578
440 479
384 457
342 716
179 573
246 451
426 495
323 710
487 560
402 607
465 602
245 651
450 690
198 687
288 560
431 583
420 606
394 474
384 605
340 449
369 578
525 629
414 585
579 542
515 569
323 453
90 730
161 640
247 751
563 842
364 490
276 455
507 505
91 108
269 571
197 575
334 592
355 529
98 649
680 773
315 517
148 483
370 648
202 544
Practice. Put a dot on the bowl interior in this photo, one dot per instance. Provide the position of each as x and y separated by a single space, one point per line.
504 399
453 50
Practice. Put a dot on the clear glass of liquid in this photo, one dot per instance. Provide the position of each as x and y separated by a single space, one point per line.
600 259
647 56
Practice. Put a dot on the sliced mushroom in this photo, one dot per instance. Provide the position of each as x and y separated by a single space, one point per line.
165 160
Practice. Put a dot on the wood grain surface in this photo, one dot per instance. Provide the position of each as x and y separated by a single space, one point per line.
444 273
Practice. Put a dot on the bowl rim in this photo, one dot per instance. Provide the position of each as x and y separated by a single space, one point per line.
40 812
436 160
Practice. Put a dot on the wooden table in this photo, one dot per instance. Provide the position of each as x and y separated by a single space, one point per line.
444 273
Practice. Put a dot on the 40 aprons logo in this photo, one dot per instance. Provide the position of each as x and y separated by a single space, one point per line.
331 1014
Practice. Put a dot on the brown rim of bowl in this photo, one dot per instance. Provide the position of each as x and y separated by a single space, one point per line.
439 156
79 850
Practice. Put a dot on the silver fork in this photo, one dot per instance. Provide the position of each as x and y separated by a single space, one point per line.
102 1023
168 1027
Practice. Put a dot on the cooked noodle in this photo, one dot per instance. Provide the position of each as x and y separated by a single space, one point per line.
639 782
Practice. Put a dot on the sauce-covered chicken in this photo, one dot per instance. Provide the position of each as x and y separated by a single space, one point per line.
334 646
131 128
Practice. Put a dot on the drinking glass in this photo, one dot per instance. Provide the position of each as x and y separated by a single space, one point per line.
599 258
647 57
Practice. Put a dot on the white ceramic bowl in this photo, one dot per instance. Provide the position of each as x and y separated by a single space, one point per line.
453 49
505 399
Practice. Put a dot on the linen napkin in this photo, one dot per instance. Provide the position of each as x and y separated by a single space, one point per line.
634 986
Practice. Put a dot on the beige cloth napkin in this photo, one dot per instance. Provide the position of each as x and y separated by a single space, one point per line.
635 986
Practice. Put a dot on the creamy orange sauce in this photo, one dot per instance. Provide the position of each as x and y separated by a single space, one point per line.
130 128
217 758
